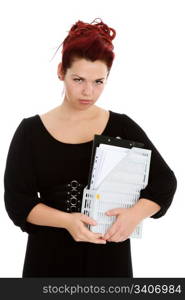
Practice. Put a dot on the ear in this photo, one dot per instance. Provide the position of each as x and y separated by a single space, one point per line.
60 71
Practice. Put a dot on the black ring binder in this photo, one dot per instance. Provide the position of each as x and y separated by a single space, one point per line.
109 140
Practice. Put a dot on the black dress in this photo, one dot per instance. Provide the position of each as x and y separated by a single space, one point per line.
39 168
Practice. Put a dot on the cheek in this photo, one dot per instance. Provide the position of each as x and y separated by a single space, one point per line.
72 89
99 90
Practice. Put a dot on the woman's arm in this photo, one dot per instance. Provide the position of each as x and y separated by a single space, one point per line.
162 182
155 198
45 215
20 190
145 208
128 218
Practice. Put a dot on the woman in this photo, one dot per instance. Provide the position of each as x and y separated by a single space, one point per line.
48 164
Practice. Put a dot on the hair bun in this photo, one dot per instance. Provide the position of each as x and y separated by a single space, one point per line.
80 29
105 30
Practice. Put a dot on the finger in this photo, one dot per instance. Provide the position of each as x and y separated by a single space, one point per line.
94 237
120 236
115 238
99 241
114 211
110 232
89 235
88 220
123 239
86 230
97 234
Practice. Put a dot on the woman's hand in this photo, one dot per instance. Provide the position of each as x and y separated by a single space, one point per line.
124 225
80 233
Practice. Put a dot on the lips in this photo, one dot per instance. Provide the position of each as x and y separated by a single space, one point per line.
85 101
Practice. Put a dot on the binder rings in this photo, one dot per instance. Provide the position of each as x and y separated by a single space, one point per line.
119 169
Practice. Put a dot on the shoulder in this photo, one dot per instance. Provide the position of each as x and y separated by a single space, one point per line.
24 127
129 125
124 118
30 119
28 122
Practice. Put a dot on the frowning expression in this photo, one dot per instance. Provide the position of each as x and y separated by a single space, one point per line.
84 82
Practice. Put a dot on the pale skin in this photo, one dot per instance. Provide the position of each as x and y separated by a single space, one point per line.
74 122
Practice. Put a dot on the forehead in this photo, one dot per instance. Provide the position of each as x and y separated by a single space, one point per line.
87 69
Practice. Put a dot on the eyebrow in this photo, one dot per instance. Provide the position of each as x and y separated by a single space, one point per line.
84 78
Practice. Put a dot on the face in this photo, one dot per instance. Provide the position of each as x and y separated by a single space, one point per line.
84 82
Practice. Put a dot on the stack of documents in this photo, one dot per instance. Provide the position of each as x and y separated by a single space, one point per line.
119 170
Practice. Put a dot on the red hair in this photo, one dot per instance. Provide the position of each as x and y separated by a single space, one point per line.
90 41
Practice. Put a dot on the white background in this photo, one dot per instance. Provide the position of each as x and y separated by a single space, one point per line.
146 82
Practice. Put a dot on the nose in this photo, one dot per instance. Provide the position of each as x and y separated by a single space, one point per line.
87 89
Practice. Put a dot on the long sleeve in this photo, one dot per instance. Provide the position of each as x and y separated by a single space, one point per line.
162 182
20 192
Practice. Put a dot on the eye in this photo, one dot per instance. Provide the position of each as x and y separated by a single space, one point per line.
77 79
99 82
